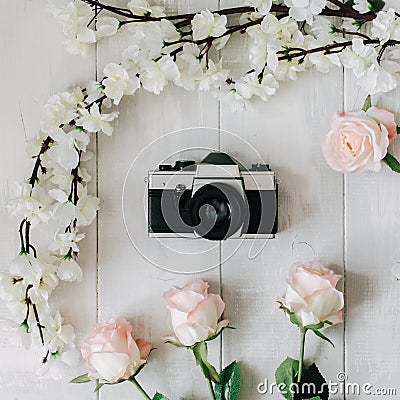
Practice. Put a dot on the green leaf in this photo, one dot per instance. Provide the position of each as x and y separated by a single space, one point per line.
200 352
229 387
376 5
312 386
98 387
176 344
315 326
159 396
322 336
367 103
285 377
398 130
81 379
25 326
392 162
292 315
219 333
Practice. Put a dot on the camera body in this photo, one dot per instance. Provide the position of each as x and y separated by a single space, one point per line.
216 199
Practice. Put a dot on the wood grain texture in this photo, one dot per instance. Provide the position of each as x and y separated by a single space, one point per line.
129 285
372 264
34 65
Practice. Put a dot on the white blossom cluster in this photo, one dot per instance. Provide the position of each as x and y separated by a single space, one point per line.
161 52
58 193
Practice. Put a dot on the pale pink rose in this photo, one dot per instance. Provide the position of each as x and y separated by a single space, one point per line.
112 354
358 141
312 295
194 313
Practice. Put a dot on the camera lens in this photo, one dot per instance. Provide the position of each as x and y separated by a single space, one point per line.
218 211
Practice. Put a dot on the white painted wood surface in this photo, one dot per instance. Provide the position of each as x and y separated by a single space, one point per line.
349 223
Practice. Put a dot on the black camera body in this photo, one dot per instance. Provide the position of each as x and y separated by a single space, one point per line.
216 199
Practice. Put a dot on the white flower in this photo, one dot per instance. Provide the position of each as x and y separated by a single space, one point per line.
18 335
214 76
321 30
262 6
370 75
56 334
64 211
75 16
34 146
322 62
29 203
362 6
87 208
11 286
149 37
169 31
142 7
118 82
206 24
66 146
69 270
64 242
379 78
61 109
133 59
93 121
270 37
229 95
60 364
106 26
60 176
359 57
189 66
288 70
251 85
386 26
94 91
40 273
157 74
304 10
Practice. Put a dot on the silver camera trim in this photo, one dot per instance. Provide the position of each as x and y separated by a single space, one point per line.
206 174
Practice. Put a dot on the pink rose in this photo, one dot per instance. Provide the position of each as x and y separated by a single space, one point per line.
195 313
312 295
112 354
358 141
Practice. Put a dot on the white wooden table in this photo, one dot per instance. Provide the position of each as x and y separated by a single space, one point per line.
350 223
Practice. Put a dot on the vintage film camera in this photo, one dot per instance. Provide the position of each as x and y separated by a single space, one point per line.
216 199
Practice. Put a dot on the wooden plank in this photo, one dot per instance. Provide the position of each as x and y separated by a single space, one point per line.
35 65
372 262
287 132
129 285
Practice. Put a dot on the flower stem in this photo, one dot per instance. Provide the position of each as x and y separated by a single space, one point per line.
210 386
303 332
139 388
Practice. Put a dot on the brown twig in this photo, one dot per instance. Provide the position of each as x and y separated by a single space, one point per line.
326 49
43 149
342 12
38 324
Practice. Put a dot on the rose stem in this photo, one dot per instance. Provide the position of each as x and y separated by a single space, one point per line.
139 388
210 386
303 332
